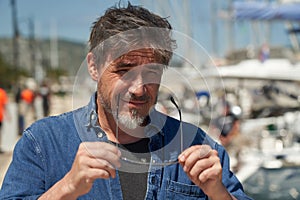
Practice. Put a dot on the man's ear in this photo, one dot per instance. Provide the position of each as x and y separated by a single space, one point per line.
92 67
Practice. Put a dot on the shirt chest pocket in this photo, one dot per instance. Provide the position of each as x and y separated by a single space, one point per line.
180 191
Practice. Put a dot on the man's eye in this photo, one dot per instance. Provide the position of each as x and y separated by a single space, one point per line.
151 73
122 72
152 76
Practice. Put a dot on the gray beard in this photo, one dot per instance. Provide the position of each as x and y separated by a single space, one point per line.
128 121
131 122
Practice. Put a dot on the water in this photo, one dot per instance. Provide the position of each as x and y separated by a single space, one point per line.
282 183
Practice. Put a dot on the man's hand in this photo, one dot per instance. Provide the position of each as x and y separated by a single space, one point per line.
93 160
203 167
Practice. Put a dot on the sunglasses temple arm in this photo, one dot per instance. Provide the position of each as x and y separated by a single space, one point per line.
180 118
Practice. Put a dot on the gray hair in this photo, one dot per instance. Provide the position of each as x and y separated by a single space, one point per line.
121 30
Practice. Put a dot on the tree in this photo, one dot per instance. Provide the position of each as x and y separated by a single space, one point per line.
8 74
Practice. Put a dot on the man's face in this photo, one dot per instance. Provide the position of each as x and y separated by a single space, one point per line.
129 87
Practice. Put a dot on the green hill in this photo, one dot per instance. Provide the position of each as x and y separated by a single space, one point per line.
68 55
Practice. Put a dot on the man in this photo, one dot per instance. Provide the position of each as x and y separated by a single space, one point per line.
44 92
118 146
3 103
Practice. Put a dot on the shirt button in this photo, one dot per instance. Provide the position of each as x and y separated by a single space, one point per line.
153 180
99 134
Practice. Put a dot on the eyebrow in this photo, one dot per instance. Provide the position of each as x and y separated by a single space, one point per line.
129 63
125 64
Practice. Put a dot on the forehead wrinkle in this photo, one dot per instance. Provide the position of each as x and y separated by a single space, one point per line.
136 58
141 53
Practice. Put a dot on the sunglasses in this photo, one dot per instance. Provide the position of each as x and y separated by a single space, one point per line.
144 161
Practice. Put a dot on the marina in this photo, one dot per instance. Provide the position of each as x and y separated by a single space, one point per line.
252 93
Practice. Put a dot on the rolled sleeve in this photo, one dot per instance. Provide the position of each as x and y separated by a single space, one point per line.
230 181
25 176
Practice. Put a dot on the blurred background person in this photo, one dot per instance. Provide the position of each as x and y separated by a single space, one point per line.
44 93
3 103
227 131
27 108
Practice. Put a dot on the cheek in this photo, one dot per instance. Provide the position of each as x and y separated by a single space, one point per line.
105 89
119 87
153 91
111 87
108 82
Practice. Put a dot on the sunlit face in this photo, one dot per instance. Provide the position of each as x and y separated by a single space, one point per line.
129 86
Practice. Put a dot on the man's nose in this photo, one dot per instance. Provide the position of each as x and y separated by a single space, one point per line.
137 86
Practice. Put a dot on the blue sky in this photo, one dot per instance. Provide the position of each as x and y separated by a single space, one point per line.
72 19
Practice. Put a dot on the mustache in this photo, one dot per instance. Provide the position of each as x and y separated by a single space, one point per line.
133 97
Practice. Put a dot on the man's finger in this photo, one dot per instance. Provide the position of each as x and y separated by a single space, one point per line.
97 147
202 165
213 172
103 151
201 151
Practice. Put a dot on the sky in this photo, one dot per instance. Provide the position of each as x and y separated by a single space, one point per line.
72 19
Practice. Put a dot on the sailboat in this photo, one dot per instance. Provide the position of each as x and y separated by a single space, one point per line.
267 89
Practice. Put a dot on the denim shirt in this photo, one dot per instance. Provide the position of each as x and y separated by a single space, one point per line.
47 149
